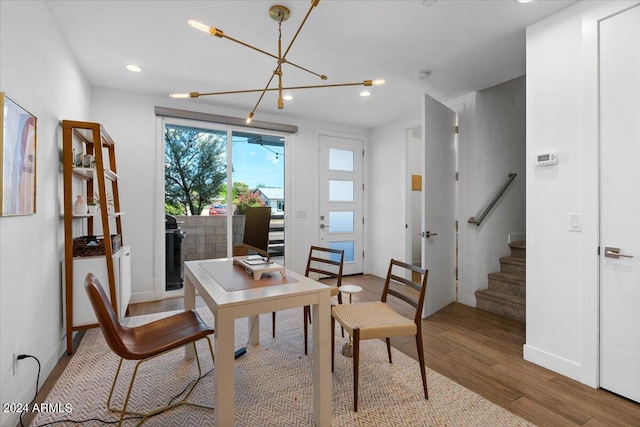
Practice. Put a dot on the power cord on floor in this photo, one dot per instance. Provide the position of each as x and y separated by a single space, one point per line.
24 356
239 353
126 418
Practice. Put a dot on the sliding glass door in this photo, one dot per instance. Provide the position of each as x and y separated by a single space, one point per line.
212 175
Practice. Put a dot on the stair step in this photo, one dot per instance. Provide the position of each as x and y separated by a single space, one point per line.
514 265
513 284
501 303
518 249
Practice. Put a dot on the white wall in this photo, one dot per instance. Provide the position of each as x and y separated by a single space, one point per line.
37 71
131 121
491 145
562 266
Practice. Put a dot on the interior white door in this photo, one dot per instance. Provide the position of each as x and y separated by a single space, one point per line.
415 172
620 204
439 195
341 195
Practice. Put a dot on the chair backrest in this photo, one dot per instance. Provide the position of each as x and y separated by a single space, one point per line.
396 275
322 262
107 318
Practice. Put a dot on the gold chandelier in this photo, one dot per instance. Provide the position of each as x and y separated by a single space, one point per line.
280 14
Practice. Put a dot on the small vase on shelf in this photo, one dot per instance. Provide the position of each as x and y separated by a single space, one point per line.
80 206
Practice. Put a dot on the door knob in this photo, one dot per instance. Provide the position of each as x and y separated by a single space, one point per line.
610 252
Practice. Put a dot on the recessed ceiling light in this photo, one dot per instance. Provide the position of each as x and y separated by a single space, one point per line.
523 1
134 68
365 93
288 98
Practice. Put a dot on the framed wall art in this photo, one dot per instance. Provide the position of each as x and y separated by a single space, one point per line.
17 159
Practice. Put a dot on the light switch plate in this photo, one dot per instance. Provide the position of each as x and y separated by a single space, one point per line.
575 222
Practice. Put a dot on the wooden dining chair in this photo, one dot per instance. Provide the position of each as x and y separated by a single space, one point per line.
326 262
145 342
365 321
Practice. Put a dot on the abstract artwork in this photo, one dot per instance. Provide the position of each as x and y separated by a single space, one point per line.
17 159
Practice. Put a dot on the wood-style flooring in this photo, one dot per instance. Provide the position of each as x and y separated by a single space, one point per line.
483 352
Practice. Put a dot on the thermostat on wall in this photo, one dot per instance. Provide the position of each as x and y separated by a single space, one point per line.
547 159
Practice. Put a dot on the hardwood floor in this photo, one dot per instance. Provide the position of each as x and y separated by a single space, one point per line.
483 352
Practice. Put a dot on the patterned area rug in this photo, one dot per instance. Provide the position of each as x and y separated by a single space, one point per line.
273 385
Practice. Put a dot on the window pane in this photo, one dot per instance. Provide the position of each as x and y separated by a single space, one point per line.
341 221
340 160
258 180
340 191
347 247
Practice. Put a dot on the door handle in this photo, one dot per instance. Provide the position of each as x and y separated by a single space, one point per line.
614 253
324 226
427 234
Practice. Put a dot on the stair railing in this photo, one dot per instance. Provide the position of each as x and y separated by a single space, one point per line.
477 221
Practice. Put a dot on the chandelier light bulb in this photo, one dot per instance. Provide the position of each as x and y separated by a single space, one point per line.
249 118
198 26
179 95
379 82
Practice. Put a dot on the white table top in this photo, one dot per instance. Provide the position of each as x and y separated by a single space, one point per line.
221 298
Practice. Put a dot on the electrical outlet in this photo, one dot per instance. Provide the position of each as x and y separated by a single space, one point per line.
15 361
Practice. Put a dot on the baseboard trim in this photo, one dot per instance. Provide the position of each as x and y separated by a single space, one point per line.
142 297
556 364
469 300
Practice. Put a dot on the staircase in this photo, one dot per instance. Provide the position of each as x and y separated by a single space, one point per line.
507 289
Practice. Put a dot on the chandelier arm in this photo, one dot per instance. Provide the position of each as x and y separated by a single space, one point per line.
266 88
231 92
279 69
313 4
240 42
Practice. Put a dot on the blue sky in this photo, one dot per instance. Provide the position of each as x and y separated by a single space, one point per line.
257 165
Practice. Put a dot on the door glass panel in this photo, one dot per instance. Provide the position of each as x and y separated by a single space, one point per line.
347 247
195 172
340 191
341 221
258 180
340 160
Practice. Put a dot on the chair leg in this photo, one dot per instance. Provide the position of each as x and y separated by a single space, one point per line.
306 327
183 401
356 367
126 400
389 349
421 360
333 340
273 324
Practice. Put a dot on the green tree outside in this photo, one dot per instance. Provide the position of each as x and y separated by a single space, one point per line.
195 169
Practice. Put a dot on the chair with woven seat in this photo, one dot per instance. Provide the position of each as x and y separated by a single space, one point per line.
326 262
365 321
145 342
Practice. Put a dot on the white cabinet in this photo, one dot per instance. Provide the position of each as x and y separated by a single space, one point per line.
83 314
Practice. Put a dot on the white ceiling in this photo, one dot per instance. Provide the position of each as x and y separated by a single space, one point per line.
465 45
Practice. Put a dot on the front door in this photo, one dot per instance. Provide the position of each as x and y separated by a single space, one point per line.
439 195
620 204
341 194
